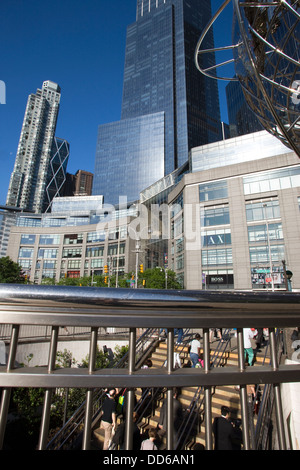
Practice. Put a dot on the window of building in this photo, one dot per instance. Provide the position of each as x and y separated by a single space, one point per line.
272 180
72 274
113 249
180 262
29 222
216 257
73 239
49 239
177 205
48 273
212 191
27 239
74 263
261 277
25 252
217 279
94 251
262 210
94 237
116 233
178 226
48 264
216 237
71 253
216 216
261 254
47 253
97 263
258 233
179 245
25 263
118 262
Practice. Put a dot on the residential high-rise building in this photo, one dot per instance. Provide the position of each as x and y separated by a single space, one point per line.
32 174
167 107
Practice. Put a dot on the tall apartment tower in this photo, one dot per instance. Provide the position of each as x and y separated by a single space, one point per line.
39 154
167 106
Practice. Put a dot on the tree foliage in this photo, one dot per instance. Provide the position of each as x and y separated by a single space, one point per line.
10 272
156 278
159 278
28 402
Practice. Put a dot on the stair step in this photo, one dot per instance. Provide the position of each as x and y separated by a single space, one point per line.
223 395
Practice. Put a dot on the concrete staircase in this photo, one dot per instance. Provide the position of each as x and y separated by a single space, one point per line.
223 395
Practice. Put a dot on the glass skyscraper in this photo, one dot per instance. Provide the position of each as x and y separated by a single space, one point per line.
242 119
57 171
167 107
41 159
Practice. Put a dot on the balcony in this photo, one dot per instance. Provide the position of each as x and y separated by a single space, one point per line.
94 308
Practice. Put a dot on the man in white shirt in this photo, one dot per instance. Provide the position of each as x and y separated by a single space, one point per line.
195 350
248 334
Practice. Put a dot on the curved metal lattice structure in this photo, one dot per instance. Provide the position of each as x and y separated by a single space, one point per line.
266 56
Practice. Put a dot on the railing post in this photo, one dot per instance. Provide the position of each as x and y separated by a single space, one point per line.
277 393
48 393
130 392
170 367
6 393
251 420
243 390
87 433
207 392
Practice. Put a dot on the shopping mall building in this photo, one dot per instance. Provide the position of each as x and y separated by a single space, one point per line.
230 219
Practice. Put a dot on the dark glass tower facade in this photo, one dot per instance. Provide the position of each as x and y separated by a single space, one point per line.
242 119
160 80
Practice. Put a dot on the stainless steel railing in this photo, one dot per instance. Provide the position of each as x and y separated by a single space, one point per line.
39 332
58 306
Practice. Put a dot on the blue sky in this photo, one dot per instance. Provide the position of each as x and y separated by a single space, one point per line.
79 44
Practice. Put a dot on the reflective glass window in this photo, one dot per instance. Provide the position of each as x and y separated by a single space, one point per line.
216 237
214 190
94 251
49 239
25 252
47 253
216 216
216 257
93 237
257 233
262 210
27 239
71 253
272 180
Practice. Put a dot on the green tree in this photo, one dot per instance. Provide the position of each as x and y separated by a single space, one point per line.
119 352
97 281
102 360
156 279
10 272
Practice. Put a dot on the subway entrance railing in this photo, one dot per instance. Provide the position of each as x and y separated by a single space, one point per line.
58 306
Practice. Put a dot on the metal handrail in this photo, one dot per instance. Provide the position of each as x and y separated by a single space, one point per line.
266 406
197 402
58 306
75 422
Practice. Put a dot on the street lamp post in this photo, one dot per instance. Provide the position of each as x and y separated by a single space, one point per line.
137 251
269 246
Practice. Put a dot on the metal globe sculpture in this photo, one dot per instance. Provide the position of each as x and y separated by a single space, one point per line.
266 56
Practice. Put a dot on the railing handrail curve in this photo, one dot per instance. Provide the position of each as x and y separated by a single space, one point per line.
81 306
58 306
